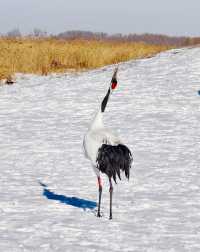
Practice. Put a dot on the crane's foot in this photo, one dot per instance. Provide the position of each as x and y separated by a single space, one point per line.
99 215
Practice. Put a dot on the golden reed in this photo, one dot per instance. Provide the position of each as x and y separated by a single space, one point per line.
43 56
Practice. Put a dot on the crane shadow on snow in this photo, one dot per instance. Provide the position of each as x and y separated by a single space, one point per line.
72 201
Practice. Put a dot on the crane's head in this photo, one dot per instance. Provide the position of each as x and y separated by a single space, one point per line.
113 83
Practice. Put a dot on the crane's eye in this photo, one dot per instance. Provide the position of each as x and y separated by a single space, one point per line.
114 84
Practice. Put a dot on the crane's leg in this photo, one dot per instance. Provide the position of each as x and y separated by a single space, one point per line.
111 192
100 192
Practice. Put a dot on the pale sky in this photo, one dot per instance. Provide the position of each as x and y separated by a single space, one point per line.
171 17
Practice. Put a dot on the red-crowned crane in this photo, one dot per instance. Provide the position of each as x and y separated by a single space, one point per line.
105 150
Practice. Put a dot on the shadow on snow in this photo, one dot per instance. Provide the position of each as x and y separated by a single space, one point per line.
72 201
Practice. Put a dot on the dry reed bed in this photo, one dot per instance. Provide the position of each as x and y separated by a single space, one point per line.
43 56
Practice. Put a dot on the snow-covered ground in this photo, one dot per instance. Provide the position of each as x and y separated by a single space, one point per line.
48 188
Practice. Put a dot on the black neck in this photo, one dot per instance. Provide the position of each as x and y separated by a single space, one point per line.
105 100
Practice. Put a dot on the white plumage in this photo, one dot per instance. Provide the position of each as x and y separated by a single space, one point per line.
95 137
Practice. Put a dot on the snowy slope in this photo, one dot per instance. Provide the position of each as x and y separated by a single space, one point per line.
42 167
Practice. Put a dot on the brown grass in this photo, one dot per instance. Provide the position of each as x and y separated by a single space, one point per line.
44 56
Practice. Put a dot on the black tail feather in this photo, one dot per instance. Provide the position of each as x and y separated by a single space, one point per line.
111 160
